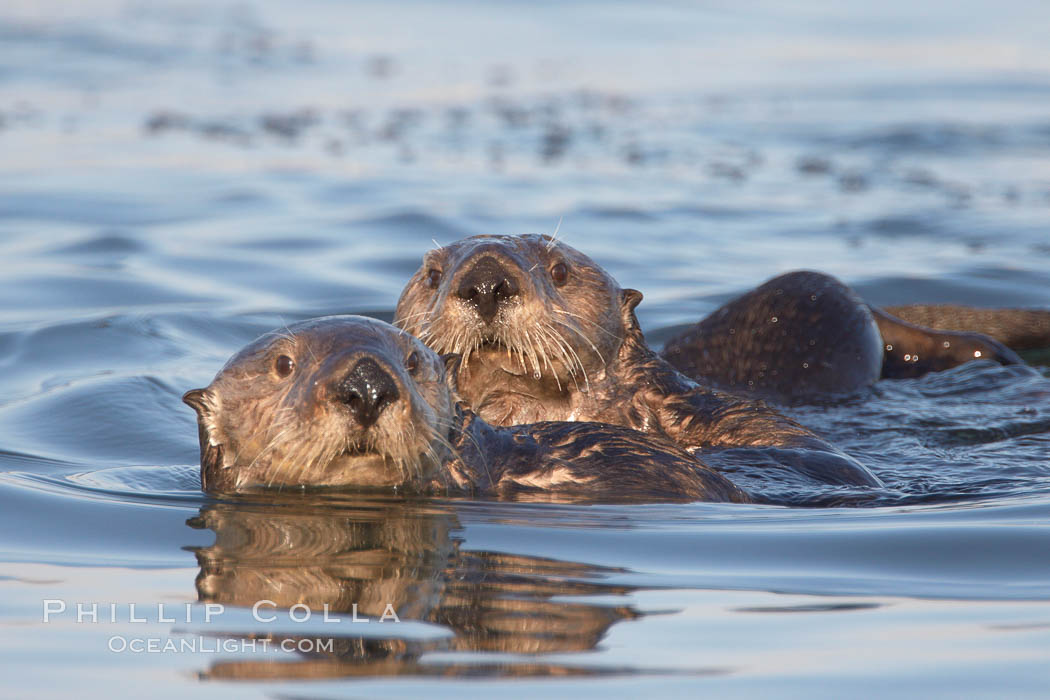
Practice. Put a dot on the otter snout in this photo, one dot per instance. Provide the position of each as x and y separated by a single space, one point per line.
488 286
366 390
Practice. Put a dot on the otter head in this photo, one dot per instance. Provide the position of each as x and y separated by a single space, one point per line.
336 401
527 305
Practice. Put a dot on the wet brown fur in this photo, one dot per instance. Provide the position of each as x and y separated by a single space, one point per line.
804 334
596 367
258 429
1018 329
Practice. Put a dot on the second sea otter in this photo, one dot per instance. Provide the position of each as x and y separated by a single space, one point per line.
546 334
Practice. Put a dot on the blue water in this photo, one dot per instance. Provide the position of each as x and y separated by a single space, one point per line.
177 178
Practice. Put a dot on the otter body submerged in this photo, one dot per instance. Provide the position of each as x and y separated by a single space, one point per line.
546 333
805 334
559 385
347 401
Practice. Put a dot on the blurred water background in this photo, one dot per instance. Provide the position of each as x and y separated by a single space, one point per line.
178 177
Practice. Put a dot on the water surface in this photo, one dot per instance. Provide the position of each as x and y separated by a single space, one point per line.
178 178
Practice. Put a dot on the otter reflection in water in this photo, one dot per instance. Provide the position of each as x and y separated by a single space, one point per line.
348 401
378 552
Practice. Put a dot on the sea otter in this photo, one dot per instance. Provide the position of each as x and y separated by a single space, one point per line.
546 334
348 401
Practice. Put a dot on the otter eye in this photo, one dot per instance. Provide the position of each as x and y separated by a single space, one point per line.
560 273
412 362
433 278
283 365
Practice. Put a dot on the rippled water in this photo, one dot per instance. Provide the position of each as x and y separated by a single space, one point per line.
177 178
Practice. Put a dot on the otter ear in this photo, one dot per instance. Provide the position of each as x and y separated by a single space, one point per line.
630 298
453 361
197 399
200 400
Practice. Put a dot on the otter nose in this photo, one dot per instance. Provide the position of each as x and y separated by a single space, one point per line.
487 286
366 390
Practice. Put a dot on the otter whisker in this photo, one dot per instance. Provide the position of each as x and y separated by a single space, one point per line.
398 458
286 336
536 370
322 458
580 333
596 326
413 465
544 336
409 317
466 350
437 460
297 457
567 349
450 427
550 365
560 348
291 338
577 363
272 444
554 237
569 358
518 346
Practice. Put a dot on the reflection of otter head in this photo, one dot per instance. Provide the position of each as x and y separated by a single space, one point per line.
341 400
530 304
363 554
